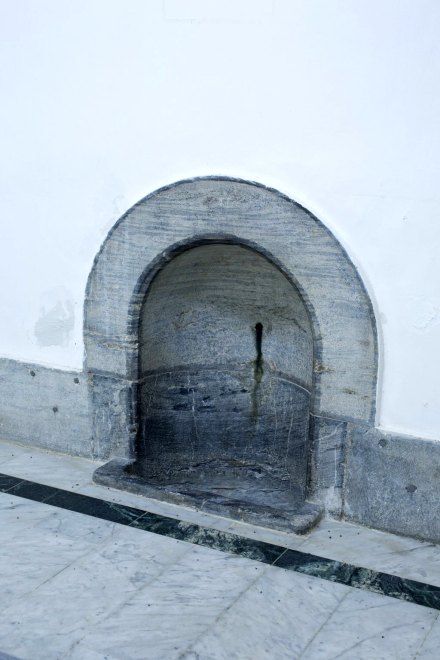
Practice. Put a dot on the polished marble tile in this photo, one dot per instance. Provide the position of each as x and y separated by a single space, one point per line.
31 554
10 450
401 588
79 587
28 519
430 648
67 472
165 617
58 613
337 540
380 551
17 513
369 626
272 620
328 569
421 563
75 526
354 576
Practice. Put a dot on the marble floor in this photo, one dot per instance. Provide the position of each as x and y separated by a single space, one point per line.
83 576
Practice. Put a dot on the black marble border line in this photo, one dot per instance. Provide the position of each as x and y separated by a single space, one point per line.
294 560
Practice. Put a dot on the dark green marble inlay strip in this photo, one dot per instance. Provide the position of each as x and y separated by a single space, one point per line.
292 560
361 578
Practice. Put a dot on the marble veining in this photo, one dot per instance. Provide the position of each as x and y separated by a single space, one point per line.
32 464
77 587
283 634
173 611
90 586
294 560
431 644
362 578
367 626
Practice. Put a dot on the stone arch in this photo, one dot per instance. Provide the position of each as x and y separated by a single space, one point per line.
222 209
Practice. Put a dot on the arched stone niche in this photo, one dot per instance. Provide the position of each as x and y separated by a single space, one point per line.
278 236
225 379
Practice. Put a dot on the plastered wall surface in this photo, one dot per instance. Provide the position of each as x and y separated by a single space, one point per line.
334 103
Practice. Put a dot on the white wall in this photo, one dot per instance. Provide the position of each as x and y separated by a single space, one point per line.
334 102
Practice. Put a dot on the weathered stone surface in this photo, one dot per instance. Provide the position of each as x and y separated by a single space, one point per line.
276 243
66 411
202 429
202 308
44 407
119 473
219 209
327 463
113 402
226 371
393 483
328 443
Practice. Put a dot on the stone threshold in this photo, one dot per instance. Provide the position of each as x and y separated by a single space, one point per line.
118 474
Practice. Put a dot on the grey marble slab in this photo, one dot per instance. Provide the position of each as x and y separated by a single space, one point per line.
17 513
33 553
20 516
392 483
10 450
73 525
167 615
430 648
55 470
274 619
369 626
57 614
379 551
77 587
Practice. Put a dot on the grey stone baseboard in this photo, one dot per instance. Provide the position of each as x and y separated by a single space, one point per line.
393 483
46 408
382 480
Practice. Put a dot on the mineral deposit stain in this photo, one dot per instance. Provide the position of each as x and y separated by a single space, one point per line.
258 368
259 347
